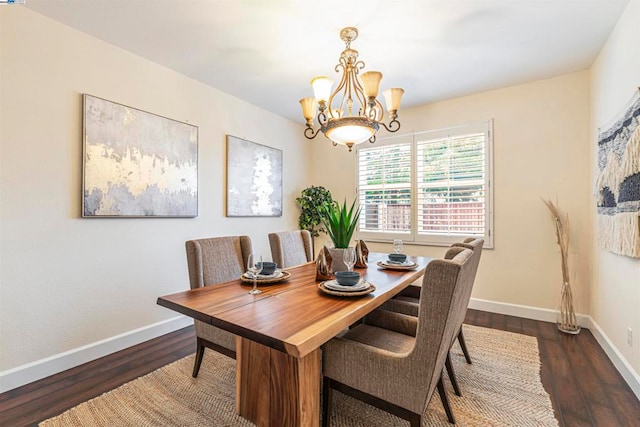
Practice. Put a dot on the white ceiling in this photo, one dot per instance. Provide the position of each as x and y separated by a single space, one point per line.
266 52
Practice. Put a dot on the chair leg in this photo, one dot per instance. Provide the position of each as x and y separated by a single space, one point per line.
416 421
326 400
452 375
463 346
199 356
445 401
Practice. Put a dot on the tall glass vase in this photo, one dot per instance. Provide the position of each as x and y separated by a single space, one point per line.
567 322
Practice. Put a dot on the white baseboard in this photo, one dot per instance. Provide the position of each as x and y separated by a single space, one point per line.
525 311
628 373
546 315
25 374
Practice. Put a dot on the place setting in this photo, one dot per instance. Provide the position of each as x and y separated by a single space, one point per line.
347 283
397 260
263 273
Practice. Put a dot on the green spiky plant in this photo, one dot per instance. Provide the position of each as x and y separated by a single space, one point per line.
340 223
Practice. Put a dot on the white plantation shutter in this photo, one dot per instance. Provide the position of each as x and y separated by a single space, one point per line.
451 194
429 187
384 189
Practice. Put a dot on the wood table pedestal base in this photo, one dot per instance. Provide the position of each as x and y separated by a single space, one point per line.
276 389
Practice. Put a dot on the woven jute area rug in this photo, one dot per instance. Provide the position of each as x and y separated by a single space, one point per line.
501 388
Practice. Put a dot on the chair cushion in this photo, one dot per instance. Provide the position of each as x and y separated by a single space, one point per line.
402 304
381 338
215 335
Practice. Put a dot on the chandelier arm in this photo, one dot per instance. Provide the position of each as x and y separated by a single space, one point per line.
348 92
351 87
375 113
322 118
340 86
310 133
392 126
359 90
370 113
373 139
380 111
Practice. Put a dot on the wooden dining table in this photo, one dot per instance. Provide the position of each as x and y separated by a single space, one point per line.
280 332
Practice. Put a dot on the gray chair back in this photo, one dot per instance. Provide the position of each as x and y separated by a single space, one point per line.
444 286
217 259
476 246
289 248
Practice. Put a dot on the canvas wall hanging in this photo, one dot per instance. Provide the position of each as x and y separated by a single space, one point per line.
137 164
254 179
618 182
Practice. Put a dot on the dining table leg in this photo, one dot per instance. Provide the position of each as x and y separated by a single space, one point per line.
276 389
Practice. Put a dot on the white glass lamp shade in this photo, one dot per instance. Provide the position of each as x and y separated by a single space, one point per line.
322 88
308 108
349 134
392 98
350 131
371 83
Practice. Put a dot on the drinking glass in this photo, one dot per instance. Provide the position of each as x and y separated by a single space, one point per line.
397 245
349 257
254 266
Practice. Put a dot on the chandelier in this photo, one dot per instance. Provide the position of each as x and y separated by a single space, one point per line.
351 114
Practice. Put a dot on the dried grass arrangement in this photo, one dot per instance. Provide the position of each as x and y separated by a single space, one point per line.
566 317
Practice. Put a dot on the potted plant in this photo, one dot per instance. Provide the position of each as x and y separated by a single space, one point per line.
340 223
313 201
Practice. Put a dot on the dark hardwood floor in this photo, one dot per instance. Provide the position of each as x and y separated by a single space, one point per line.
585 388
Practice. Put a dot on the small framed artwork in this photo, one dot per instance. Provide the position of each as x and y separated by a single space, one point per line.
137 164
254 179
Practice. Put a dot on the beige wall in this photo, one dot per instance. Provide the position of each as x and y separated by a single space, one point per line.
540 150
66 281
615 291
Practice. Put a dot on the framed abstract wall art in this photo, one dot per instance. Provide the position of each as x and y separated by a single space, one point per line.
618 182
137 164
254 179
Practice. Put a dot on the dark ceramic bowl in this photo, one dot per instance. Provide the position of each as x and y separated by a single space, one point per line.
268 268
398 257
347 278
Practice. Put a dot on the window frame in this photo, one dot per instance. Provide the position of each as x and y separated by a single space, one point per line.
413 237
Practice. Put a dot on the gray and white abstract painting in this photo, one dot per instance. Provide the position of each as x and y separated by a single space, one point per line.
254 179
137 164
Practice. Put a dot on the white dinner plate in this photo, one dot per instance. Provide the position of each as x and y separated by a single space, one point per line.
397 266
276 274
334 285
405 263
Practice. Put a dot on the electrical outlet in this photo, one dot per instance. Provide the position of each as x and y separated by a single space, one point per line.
630 337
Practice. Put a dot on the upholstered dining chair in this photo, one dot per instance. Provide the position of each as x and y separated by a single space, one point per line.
212 261
407 302
289 248
395 361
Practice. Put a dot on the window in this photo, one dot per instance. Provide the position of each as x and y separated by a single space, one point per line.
428 187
